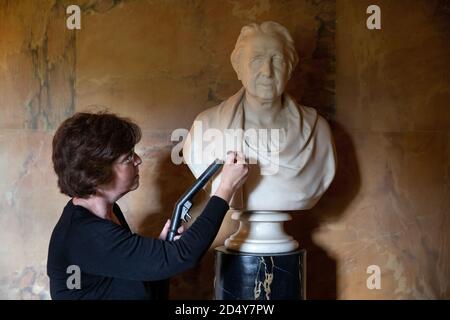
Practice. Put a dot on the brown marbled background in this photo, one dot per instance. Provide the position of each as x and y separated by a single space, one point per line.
386 94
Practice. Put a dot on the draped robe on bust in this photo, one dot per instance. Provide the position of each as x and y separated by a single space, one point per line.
291 175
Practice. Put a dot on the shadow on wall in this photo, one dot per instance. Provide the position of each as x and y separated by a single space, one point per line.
321 274
172 181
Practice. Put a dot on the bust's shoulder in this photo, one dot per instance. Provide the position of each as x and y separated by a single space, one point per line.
314 119
217 116
209 113
321 121
323 129
226 109
209 117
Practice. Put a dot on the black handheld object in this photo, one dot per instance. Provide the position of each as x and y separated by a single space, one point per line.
181 212
184 204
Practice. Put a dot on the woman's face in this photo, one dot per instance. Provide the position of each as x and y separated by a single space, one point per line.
126 174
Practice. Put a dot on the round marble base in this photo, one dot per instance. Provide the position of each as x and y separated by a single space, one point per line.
245 276
261 232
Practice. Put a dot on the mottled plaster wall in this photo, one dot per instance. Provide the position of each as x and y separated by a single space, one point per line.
162 62
390 203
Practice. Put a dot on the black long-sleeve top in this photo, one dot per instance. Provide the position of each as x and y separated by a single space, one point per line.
117 264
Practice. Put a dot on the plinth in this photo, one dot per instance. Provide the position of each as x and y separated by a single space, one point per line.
250 276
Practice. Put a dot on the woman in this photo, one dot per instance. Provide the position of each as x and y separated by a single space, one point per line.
94 159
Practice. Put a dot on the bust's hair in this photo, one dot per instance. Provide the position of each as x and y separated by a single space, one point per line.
270 28
85 147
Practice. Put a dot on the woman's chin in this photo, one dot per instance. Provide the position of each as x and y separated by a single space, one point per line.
134 186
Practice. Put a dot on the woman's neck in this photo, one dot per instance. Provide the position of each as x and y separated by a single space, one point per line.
100 206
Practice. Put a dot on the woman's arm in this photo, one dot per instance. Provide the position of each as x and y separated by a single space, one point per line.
103 248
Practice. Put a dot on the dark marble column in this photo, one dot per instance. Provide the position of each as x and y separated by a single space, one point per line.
246 276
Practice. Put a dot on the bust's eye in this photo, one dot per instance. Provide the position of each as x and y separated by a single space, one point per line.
256 60
278 60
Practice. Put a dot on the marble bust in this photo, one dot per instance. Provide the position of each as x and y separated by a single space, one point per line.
289 146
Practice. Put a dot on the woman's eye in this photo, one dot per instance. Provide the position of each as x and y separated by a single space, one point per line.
129 158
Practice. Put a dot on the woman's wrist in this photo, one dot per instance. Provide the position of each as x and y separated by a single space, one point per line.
224 192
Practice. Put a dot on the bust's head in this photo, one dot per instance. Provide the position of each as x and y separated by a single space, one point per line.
263 58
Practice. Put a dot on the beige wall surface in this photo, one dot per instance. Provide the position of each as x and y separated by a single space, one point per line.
385 93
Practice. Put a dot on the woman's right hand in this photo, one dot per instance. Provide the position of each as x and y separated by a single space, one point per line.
234 174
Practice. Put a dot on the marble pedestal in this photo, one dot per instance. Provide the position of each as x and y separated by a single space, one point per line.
248 276
261 232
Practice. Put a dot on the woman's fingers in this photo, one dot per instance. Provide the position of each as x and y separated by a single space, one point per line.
165 229
180 231
240 158
231 156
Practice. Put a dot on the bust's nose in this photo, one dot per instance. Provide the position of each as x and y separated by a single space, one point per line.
266 68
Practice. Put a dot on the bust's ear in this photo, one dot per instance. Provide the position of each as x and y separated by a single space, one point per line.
289 76
238 75
236 67
290 70
237 70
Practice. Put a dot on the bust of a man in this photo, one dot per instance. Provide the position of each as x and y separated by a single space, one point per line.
289 146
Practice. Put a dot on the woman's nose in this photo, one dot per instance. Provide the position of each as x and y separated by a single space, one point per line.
137 160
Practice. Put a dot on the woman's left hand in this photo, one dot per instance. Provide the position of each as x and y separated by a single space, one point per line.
165 230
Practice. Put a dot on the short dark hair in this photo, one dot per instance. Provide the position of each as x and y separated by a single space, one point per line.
84 148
